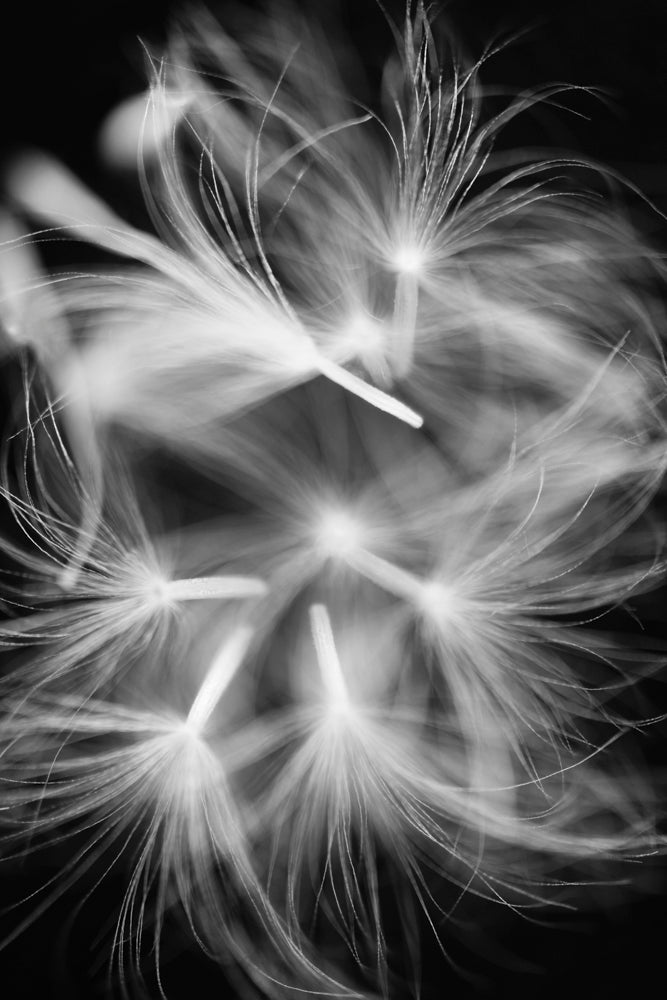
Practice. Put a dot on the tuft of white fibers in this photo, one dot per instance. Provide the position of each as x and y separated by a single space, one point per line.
369 777
144 791
88 586
205 341
331 505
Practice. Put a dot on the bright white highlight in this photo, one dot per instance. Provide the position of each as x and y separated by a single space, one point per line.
338 534
217 680
367 339
436 601
409 260
331 671
371 394
208 588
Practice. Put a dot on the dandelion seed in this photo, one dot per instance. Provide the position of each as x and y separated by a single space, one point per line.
118 386
158 802
83 591
381 783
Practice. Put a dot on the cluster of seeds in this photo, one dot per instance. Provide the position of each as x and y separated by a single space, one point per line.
324 502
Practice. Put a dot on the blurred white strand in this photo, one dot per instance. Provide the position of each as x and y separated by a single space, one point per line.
218 678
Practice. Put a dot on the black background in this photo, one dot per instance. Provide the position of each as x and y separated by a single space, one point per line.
63 67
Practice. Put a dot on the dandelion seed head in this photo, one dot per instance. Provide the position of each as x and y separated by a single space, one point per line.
313 272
